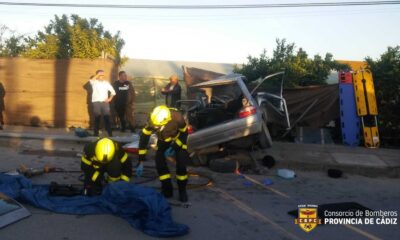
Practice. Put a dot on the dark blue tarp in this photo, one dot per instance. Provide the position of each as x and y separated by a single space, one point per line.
143 207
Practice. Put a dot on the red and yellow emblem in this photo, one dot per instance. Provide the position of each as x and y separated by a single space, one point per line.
308 217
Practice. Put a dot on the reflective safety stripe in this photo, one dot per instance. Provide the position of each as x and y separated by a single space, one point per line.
123 159
183 129
125 178
184 146
177 135
146 132
165 176
181 177
178 142
113 179
86 161
96 166
142 151
95 176
168 139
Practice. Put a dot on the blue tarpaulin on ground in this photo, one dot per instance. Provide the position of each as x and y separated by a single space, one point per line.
143 207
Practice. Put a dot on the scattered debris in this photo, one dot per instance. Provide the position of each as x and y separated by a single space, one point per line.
335 173
31 172
286 173
268 161
82 133
247 184
267 182
11 211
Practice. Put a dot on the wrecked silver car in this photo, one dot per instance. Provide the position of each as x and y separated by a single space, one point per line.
223 114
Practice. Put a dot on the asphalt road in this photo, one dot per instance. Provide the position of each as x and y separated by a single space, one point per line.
231 208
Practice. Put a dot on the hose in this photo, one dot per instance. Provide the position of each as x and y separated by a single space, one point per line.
149 175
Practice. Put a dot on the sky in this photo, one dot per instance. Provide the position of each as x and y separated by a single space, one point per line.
227 35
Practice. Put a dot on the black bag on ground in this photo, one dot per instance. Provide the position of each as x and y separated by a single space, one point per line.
66 190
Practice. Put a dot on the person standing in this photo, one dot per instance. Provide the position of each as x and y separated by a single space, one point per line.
2 105
124 101
102 95
171 130
172 91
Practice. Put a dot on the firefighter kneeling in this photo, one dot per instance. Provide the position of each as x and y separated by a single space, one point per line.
100 157
171 130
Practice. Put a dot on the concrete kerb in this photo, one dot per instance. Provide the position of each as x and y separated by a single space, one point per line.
307 157
49 142
312 157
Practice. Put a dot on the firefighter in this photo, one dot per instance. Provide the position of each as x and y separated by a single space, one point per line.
171 130
104 156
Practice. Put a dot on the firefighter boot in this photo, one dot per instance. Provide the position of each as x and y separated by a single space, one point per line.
166 188
183 197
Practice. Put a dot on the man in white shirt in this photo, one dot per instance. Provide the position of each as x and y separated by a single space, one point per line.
101 101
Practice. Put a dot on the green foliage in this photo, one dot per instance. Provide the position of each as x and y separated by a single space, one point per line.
300 70
12 46
64 38
386 73
47 48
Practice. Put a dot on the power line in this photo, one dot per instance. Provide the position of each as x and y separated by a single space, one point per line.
238 6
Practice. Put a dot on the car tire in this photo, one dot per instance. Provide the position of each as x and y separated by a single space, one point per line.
265 140
222 165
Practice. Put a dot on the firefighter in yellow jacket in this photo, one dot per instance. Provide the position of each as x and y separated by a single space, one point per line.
104 157
171 130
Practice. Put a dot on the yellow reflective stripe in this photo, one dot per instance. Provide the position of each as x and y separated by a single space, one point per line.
178 142
168 139
165 176
181 177
96 166
184 146
177 135
113 179
183 129
86 161
125 178
146 132
95 175
123 159
142 151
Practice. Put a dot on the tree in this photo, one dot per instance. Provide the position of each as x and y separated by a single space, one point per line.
386 73
300 70
12 46
74 37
